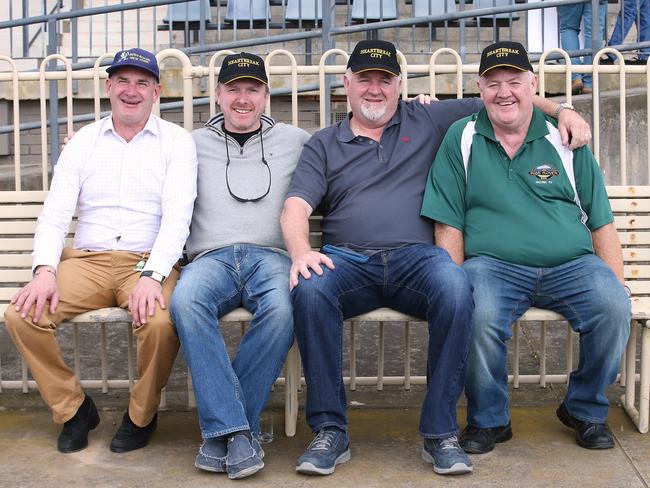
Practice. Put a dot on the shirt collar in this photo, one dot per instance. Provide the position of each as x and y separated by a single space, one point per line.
345 133
536 130
151 126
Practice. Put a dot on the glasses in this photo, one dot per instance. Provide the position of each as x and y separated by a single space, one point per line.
264 162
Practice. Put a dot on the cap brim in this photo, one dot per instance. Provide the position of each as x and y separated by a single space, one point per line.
376 68
112 69
502 66
242 77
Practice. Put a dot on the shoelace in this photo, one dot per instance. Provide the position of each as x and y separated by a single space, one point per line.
323 441
449 443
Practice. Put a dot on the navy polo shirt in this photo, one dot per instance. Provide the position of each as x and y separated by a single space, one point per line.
370 193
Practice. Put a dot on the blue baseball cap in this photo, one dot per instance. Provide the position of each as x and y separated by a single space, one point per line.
136 58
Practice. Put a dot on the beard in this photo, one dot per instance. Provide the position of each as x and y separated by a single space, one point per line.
373 113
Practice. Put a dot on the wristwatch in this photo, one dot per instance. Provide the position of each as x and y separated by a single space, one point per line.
154 276
562 106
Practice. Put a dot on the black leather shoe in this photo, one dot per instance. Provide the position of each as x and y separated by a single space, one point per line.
74 436
475 440
130 437
588 434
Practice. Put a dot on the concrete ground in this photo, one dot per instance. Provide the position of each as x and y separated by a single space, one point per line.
385 453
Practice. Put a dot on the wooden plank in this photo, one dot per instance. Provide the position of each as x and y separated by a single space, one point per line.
634 238
616 191
633 222
7 293
22 196
20 211
634 254
641 287
21 227
635 272
15 275
15 260
630 205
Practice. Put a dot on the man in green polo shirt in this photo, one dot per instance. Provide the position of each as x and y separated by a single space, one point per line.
530 222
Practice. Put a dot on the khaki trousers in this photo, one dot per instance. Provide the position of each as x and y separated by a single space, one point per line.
89 281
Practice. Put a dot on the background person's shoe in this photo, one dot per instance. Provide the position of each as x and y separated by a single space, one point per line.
475 440
244 456
447 456
130 437
636 61
74 436
212 455
330 447
590 435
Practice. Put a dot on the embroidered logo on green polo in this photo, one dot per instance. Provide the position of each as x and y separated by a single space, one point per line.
544 173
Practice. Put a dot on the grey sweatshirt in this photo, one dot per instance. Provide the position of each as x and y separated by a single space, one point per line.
218 219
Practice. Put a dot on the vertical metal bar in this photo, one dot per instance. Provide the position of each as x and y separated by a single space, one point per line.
407 356
163 398
542 362
54 96
515 352
380 358
461 34
569 352
76 354
191 399
202 20
74 33
121 27
644 387
23 373
25 29
104 357
353 356
129 352
328 42
630 369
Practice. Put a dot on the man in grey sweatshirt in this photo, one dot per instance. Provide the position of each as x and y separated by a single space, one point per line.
237 255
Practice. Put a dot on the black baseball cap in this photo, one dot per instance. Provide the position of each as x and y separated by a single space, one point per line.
374 55
504 54
137 58
242 65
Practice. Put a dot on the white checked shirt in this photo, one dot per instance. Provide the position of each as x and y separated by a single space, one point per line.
136 196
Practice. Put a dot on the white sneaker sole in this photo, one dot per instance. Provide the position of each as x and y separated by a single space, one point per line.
309 468
458 468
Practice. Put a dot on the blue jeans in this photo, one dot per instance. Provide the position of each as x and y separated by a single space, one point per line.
627 16
585 291
571 16
419 280
231 396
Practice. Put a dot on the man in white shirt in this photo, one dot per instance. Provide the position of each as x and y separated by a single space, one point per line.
132 177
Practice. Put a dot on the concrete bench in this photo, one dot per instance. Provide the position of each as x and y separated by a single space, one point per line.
631 205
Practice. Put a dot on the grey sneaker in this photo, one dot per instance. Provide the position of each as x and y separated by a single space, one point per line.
244 456
447 456
212 455
330 447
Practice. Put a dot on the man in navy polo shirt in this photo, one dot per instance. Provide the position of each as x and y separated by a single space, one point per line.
531 221
367 175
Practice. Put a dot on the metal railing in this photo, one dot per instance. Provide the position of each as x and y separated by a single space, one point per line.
282 64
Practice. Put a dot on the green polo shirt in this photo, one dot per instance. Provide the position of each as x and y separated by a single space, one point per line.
536 209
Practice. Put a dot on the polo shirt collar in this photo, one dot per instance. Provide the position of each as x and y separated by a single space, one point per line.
345 133
536 130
